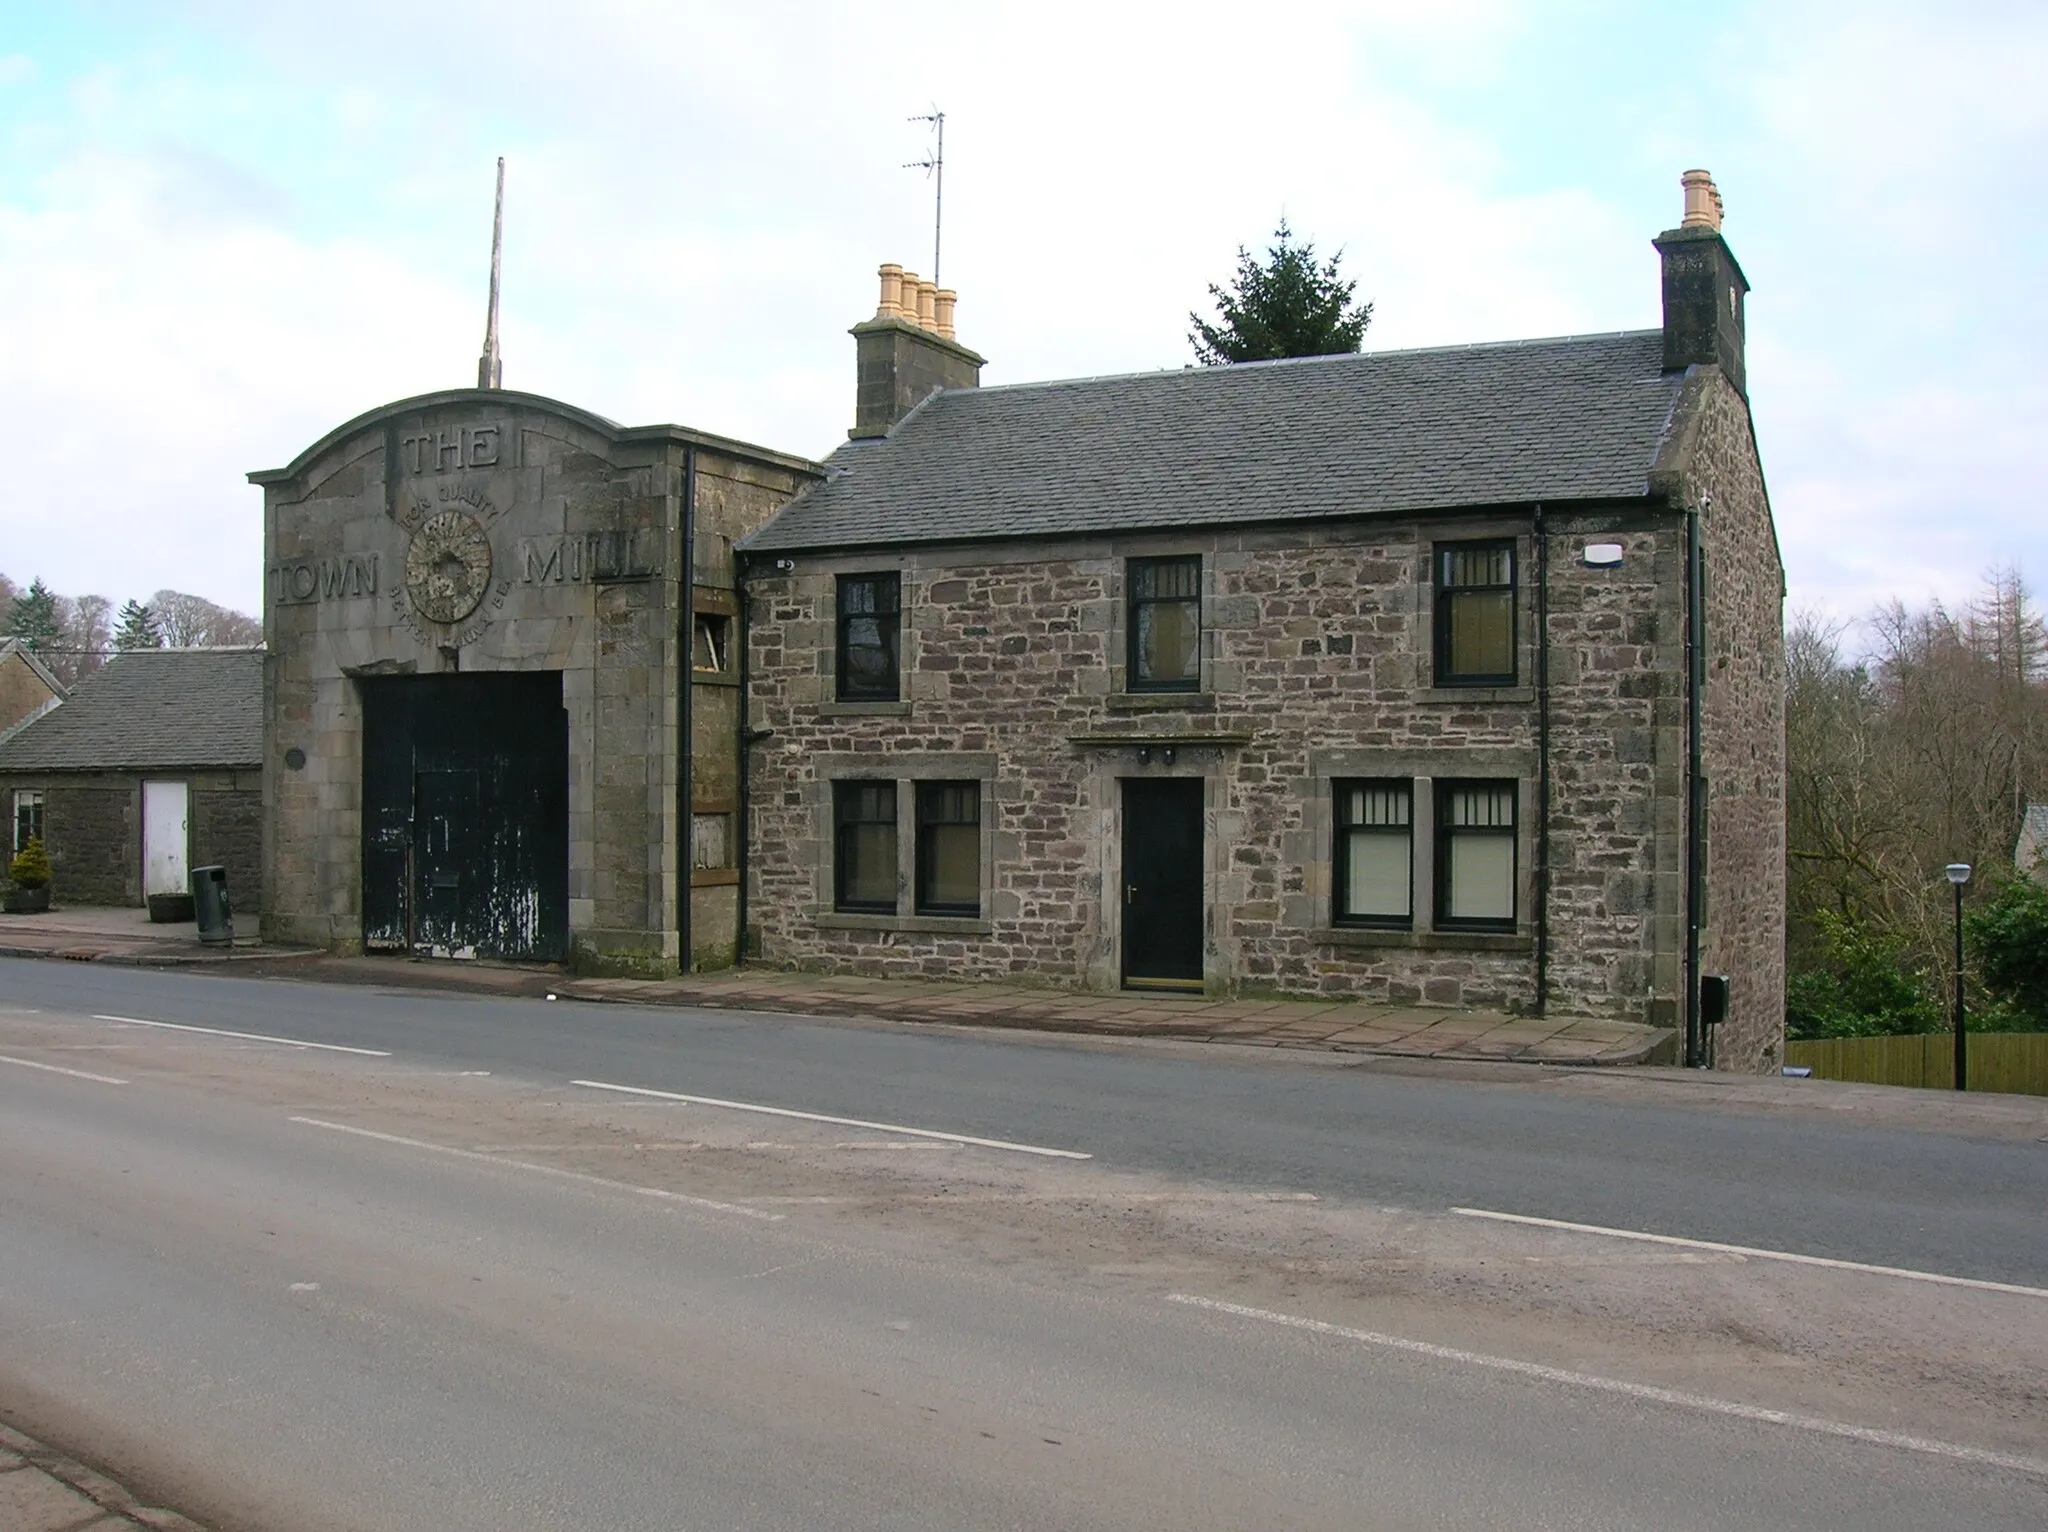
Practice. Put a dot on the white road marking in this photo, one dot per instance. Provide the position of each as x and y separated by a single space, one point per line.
305 1287
844 1122
1794 1258
59 1069
1954 1451
247 1037
543 1170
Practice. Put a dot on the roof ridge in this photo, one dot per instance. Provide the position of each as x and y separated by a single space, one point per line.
1335 358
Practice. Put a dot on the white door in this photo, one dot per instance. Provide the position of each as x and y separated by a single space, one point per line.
163 839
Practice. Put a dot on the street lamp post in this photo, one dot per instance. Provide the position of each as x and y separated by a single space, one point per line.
1958 875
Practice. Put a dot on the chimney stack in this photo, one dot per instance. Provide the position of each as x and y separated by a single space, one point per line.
1704 288
907 351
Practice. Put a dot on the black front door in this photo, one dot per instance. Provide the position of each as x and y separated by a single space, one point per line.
1162 882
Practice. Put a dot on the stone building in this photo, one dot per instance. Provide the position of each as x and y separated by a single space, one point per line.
1451 676
27 688
152 766
501 707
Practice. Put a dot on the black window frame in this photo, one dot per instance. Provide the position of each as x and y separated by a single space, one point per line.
848 794
28 817
1340 851
929 793
1444 592
1444 832
1134 677
889 619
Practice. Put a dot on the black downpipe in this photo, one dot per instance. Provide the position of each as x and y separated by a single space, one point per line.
686 759
1695 797
1542 539
742 832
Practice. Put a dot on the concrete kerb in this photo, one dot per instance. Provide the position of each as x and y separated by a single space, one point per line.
53 1498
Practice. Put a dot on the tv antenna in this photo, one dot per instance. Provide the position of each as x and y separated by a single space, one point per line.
490 367
934 165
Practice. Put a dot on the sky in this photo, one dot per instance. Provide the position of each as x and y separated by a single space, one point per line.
226 228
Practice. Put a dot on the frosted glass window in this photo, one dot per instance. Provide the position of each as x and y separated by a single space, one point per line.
1374 854
1476 864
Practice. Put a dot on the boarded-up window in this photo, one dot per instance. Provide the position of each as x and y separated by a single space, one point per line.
1475 614
1475 840
949 848
712 649
864 870
710 841
1374 872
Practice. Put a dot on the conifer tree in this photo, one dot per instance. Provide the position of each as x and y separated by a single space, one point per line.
1287 306
34 619
138 628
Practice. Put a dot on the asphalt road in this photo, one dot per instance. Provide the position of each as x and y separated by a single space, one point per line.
302 1331
1884 1195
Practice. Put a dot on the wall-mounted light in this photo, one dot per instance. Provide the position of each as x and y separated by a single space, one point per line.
1168 754
785 566
1603 555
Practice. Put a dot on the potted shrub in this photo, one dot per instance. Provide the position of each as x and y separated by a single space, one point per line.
28 885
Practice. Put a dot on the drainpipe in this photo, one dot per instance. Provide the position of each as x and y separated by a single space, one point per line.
742 834
1695 786
686 761
1542 540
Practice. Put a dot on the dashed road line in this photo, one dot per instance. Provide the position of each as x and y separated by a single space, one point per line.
1874 1436
541 1170
1792 1257
844 1122
59 1069
247 1037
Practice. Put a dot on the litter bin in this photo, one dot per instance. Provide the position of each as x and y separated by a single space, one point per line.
210 899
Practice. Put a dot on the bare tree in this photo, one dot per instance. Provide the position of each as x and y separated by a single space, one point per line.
193 622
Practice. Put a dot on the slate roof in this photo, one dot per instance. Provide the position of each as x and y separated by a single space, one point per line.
1578 418
151 709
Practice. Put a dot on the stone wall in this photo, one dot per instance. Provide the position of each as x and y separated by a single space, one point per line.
570 532
23 693
1744 712
92 828
1317 664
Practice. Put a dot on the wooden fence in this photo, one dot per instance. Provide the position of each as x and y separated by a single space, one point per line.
2016 1062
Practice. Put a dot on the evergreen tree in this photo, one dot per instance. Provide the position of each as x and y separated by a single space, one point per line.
34 619
138 628
1288 306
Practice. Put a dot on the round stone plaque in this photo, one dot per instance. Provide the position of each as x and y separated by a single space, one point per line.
448 567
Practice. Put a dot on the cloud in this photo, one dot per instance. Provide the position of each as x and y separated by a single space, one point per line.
214 252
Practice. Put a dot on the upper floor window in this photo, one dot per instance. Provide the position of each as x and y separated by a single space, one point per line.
1165 625
870 623
864 860
949 848
712 648
1475 854
1375 847
1475 614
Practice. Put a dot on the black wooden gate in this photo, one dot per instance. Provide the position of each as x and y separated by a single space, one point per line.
1162 867
466 815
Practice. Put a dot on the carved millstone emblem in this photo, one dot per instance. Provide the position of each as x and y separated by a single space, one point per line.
448 567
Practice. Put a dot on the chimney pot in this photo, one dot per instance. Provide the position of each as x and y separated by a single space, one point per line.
891 306
1702 201
908 311
942 310
927 304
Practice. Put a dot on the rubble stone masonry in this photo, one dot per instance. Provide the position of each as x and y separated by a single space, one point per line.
1317 665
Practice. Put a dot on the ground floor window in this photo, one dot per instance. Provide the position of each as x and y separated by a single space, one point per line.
1475 854
1375 854
28 816
864 864
949 848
